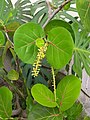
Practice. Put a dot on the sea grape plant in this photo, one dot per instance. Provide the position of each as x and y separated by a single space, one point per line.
35 45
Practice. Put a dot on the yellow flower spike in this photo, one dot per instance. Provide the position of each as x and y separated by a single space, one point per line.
40 56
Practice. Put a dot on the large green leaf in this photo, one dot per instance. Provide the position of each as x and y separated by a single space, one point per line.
24 41
43 113
5 10
58 23
68 91
43 95
82 51
83 7
5 102
2 38
60 47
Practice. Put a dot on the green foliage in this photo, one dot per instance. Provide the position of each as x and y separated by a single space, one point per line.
5 10
24 41
13 75
68 91
5 102
29 103
42 113
65 36
81 51
58 23
74 112
22 11
67 6
60 47
83 7
2 39
69 85
87 118
1 62
43 95
39 15
32 32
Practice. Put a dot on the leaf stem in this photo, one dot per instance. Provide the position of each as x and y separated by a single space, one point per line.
54 83
82 50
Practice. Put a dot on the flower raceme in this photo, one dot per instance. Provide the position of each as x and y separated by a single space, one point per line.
40 56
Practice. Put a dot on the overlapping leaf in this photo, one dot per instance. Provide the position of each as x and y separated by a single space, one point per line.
60 47
43 95
58 23
68 91
43 113
82 51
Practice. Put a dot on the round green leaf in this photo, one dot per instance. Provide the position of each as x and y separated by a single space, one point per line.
68 91
43 95
83 8
5 102
13 75
44 113
60 47
2 38
39 42
24 41
59 23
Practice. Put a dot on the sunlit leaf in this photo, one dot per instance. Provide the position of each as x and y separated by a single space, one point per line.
68 91
60 47
24 41
43 95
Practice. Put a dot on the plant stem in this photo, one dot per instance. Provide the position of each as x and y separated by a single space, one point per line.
49 8
14 87
54 83
56 11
